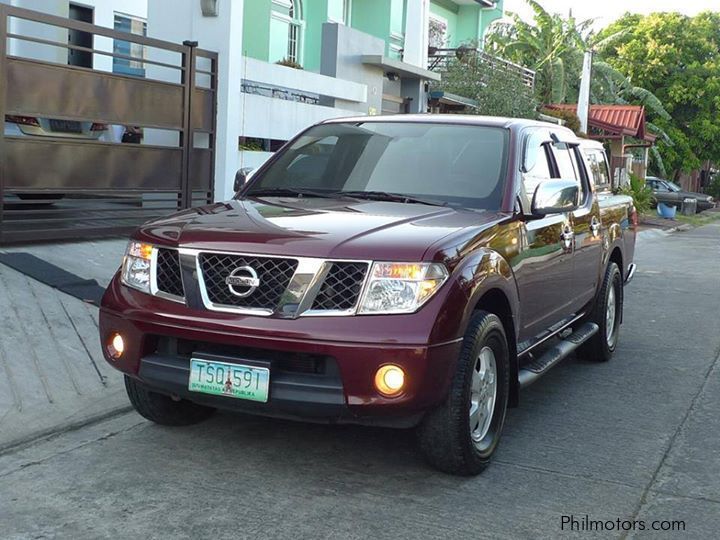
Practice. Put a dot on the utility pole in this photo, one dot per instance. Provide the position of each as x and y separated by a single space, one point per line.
583 108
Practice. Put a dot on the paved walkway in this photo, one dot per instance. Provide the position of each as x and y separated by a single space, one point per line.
52 375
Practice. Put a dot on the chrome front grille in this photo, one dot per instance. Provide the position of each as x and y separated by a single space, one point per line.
341 289
167 273
274 275
280 286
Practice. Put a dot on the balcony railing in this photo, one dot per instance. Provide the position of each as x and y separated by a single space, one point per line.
438 60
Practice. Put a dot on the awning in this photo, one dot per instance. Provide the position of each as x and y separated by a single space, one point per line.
403 69
616 120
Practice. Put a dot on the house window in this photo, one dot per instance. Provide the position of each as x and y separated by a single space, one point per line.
128 66
339 11
286 26
437 32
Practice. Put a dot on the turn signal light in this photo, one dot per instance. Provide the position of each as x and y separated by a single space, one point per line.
116 346
390 380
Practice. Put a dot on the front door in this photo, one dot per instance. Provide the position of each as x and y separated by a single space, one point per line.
543 268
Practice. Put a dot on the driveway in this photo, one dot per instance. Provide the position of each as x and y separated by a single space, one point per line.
634 439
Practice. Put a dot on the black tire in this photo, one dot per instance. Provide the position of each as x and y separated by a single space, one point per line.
162 409
601 346
445 437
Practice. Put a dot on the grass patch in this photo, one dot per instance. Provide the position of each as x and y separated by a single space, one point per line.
698 220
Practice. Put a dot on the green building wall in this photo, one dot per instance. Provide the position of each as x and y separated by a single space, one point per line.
384 19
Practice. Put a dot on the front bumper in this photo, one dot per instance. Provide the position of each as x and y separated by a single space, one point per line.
321 369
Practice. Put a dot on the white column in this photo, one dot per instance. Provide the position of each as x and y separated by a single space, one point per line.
583 108
416 32
180 20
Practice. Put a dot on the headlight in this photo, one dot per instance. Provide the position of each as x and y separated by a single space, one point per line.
136 266
401 287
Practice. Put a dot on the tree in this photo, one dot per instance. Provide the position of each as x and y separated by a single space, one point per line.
677 58
497 90
552 46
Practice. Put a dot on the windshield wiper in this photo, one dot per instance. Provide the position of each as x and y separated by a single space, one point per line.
387 196
289 192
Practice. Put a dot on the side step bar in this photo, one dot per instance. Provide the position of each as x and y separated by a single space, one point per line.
631 273
531 372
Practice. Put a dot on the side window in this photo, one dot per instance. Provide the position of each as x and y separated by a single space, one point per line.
592 161
569 166
564 160
536 167
602 179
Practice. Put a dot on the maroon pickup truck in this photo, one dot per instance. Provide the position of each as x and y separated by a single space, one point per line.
405 271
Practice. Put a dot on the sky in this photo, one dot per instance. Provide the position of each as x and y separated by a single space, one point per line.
606 11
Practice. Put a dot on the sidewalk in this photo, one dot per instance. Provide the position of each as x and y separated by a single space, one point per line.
52 375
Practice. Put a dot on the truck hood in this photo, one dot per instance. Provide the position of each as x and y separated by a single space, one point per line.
314 227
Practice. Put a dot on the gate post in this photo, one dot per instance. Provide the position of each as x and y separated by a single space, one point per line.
3 85
187 134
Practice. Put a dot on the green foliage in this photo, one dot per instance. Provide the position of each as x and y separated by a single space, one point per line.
289 63
570 118
714 187
552 46
677 58
640 193
497 91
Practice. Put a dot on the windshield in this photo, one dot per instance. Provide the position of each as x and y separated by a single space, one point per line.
673 186
409 162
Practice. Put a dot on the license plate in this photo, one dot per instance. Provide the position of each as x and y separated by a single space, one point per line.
230 380
66 126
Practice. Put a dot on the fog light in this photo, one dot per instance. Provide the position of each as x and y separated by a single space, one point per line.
116 347
390 380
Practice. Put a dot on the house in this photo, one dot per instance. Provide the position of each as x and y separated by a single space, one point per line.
356 57
264 70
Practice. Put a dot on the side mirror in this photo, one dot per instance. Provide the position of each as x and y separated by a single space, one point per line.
555 197
241 177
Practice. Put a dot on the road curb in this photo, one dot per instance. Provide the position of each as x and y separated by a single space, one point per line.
49 433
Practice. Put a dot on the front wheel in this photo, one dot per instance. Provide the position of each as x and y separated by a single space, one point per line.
461 435
163 409
607 314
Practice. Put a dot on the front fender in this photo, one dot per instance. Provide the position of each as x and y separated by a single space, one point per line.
483 271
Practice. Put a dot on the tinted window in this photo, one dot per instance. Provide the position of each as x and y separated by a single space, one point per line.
536 167
564 160
599 169
456 164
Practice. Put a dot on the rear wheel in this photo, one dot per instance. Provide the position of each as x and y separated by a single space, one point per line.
162 409
461 435
607 314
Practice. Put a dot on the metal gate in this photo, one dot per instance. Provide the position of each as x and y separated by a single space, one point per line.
86 151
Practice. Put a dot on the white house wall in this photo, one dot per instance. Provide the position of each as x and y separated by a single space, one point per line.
104 15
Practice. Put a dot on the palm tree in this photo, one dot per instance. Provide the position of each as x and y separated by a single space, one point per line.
552 46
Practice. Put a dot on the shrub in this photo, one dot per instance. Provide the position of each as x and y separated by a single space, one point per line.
714 188
570 118
289 63
497 90
640 193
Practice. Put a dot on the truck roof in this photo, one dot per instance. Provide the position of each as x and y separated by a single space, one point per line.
466 119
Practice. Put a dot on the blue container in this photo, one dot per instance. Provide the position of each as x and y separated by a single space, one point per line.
665 211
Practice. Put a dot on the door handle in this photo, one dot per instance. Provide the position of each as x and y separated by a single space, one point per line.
567 237
595 226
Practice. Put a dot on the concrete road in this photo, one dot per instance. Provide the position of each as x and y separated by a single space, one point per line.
634 439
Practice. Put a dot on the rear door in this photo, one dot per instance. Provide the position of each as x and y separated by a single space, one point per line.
587 229
543 269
